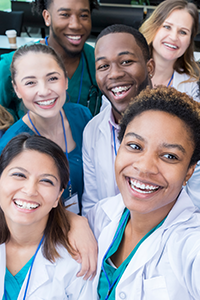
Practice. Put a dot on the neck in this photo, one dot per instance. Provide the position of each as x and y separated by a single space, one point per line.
116 114
71 62
163 71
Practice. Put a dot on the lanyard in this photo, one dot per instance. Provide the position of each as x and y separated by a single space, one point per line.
65 138
102 266
170 80
29 274
81 82
114 140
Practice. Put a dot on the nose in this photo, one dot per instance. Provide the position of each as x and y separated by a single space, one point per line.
43 89
74 22
174 34
146 164
30 188
115 72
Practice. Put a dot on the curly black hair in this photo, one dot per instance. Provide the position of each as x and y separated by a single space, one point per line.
40 5
169 100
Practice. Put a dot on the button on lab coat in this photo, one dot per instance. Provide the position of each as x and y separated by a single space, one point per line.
50 281
166 266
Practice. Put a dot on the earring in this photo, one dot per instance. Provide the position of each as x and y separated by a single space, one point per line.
150 75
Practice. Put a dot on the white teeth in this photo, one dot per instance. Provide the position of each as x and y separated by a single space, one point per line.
48 102
143 188
171 46
26 205
119 89
74 37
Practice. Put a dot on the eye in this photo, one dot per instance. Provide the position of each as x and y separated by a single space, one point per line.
30 83
48 181
84 16
66 15
53 78
170 156
183 32
18 175
166 26
134 146
103 67
127 62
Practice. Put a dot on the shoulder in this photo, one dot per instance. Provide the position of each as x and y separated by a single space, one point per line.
7 57
15 129
74 110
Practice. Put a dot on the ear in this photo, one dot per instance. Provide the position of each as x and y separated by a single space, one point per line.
16 90
47 17
189 174
151 67
57 200
66 84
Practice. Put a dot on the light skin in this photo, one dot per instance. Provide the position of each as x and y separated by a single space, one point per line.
121 70
151 166
69 25
41 83
28 192
170 42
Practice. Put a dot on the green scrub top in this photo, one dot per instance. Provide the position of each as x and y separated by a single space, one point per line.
14 283
115 274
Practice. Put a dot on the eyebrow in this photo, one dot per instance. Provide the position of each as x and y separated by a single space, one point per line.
119 54
69 9
172 24
24 170
33 77
165 145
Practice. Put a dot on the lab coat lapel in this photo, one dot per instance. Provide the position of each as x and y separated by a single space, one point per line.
39 275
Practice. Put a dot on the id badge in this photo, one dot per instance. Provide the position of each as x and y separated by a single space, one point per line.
72 203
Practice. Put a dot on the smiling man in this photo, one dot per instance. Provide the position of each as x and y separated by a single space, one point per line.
123 69
69 23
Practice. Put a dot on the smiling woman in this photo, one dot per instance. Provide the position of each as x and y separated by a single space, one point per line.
33 225
152 223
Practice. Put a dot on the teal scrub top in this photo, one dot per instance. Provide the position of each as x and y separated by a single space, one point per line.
15 106
115 274
77 116
14 283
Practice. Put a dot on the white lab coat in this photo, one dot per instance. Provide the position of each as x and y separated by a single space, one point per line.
167 264
191 88
98 160
50 281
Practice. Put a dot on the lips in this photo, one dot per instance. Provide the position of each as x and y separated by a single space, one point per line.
120 91
170 46
26 205
74 39
46 102
143 188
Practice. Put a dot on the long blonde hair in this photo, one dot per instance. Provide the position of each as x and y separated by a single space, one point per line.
6 119
186 63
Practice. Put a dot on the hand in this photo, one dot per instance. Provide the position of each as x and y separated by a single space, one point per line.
84 244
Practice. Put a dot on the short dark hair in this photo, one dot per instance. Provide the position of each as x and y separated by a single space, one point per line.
139 38
169 100
57 227
35 48
40 5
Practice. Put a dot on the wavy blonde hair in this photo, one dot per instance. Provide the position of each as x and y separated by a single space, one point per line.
186 63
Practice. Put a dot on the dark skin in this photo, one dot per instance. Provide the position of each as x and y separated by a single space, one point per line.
69 25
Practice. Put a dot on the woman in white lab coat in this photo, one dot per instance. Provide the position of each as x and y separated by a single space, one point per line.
149 234
35 253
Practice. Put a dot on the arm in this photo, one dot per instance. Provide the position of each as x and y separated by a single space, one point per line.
83 242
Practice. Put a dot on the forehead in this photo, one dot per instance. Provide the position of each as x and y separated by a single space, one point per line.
181 16
70 4
113 44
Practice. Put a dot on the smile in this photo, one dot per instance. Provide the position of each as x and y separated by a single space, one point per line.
75 38
171 46
120 90
140 187
46 103
25 205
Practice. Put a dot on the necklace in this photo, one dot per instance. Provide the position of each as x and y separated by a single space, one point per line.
29 274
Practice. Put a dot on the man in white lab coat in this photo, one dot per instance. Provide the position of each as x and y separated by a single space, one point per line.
123 69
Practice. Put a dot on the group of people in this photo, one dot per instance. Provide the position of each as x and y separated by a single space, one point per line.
113 135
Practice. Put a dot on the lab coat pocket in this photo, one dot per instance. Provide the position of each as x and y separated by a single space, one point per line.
155 289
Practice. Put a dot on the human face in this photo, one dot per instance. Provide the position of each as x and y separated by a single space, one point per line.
70 25
173 37
29 189
121 71
41 84
152 162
